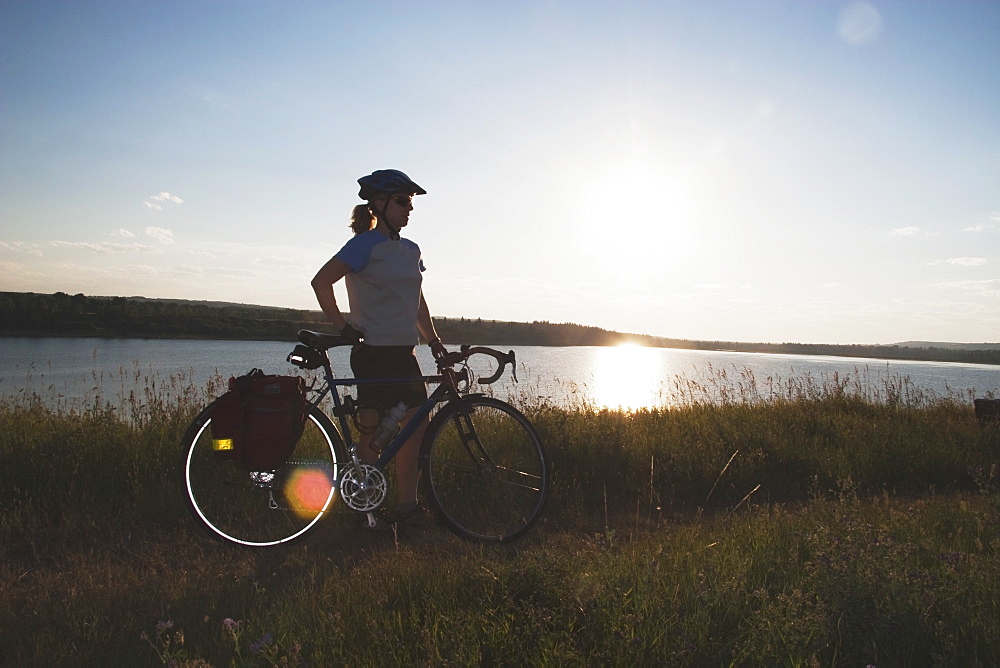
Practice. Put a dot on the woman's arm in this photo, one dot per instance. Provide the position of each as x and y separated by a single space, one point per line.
425 324
322 285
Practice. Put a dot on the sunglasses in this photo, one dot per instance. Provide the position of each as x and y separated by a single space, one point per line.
402 200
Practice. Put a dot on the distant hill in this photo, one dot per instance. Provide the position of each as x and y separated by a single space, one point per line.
59 314
196 302
949 346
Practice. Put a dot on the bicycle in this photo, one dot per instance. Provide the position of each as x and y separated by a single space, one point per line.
483 469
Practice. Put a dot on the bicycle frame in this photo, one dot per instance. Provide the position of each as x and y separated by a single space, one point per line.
441 393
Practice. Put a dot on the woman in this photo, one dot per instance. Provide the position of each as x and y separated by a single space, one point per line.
382 272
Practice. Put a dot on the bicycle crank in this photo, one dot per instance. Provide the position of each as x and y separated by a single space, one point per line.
365 491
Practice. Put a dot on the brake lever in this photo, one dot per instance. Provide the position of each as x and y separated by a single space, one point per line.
510 359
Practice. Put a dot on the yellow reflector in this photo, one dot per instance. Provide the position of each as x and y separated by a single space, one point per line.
221 444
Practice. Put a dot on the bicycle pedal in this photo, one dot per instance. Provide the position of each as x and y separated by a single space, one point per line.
369 523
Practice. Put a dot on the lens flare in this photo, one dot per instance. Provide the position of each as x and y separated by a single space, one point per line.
309 491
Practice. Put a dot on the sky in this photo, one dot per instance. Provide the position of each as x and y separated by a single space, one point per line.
779 171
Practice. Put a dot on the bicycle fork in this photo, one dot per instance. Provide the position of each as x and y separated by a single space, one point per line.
470 441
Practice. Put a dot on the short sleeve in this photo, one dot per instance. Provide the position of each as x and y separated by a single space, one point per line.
357 252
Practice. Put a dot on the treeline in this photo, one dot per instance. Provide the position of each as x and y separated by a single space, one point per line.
892 352
495 332
60 314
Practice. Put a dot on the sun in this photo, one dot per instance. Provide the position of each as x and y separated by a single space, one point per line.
634 220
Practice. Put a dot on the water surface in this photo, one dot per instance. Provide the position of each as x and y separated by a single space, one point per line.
78 369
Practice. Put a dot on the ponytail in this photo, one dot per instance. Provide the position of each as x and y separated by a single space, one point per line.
362 218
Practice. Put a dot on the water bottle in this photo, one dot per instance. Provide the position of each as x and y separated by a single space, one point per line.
390 423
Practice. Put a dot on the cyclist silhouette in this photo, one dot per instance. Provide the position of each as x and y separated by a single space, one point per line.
382 273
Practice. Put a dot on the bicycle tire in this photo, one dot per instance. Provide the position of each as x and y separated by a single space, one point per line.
484 470
262 508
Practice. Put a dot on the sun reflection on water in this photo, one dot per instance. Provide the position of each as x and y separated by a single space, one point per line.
628 376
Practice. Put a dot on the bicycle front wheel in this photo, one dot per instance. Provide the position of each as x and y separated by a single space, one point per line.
262 508
484 470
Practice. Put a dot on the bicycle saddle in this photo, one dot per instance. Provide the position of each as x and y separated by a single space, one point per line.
322 340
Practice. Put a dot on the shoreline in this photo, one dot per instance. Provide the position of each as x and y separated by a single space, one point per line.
944 356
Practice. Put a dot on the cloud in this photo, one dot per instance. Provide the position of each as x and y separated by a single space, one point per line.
986 288
905 231
166 197
132 270
163 235
232 271
982 227
107 247
154 201
121 232
966 261
204 254
22 247
977 228
274 261
188 269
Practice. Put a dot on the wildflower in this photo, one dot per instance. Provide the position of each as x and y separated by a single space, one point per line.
262 644
230 624
164 626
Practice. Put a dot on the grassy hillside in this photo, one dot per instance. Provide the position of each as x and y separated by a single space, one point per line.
819 529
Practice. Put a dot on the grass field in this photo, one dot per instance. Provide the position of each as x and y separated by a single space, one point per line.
830 525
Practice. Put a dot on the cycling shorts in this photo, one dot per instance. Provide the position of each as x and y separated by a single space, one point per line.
387 362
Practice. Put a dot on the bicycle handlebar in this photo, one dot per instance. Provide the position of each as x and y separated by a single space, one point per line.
465 352
322 341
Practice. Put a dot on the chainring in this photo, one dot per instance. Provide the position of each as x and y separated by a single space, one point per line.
364 492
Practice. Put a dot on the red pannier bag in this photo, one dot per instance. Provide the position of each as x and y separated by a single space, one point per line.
259 420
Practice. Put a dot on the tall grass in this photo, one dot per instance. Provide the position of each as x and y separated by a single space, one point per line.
816 525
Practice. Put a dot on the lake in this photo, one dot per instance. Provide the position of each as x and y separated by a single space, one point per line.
75 371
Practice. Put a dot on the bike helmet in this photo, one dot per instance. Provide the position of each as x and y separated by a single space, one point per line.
387 182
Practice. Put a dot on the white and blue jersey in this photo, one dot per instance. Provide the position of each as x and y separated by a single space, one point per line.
384 287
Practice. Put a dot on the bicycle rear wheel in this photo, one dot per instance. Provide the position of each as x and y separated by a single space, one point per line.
262 508
484 470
